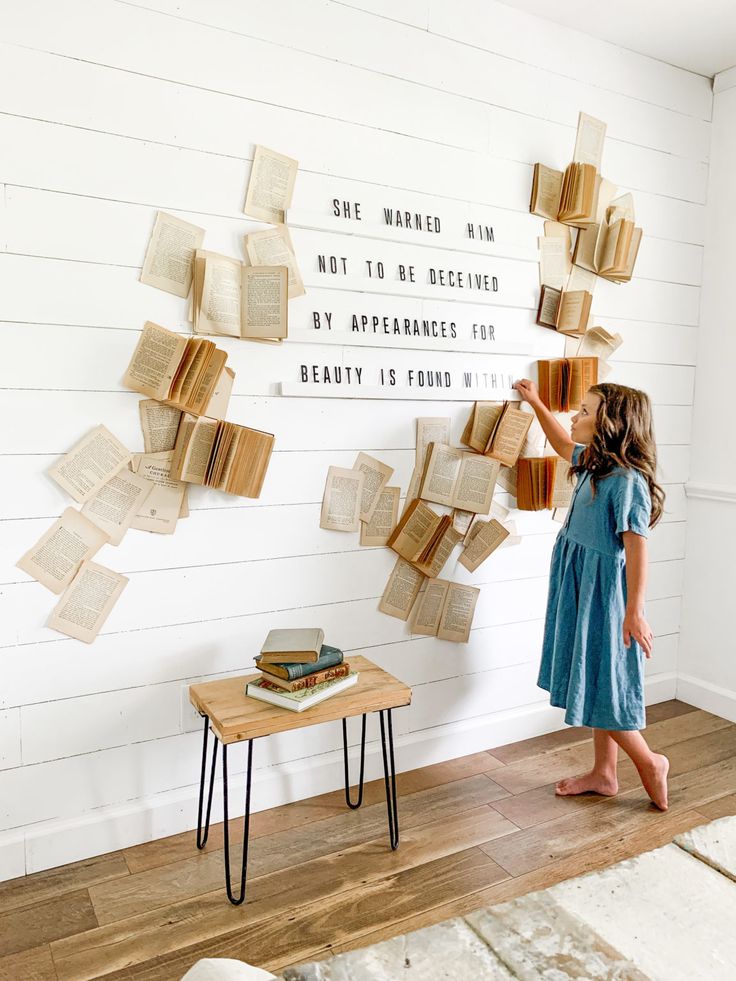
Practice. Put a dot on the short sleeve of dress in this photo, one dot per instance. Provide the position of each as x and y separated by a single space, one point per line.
577 452
632 504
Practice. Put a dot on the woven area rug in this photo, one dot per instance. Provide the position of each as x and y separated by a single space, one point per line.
667 914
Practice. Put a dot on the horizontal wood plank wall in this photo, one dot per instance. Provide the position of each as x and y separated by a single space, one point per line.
112 110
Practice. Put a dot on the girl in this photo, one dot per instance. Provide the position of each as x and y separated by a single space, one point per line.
596 635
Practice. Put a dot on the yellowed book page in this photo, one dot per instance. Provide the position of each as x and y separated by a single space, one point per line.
547 192
414 531
160 510
56 557
457 613
476 481
265 302
485 418
87 602
604 370
572 309
170 254
196 454
401 590
510 436
488 538
580 279
116 504
606 192
599 343
219 310
436 564
89 464
572 346
559 515
430 429
384 518
342 499
155 361
554 262
413 490
462 520
507 479
561 488
585 247
271 185
184 511
272 247
220 400
555 229
159 423
622 207
589 140
376 476
428 610
441 474
499 511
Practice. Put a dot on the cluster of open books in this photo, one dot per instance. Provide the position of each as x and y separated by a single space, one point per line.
188 386
449 502
607 238
298 670
230 297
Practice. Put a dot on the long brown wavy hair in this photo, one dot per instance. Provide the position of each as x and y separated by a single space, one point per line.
624 437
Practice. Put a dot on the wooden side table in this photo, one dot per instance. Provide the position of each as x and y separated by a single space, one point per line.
233 717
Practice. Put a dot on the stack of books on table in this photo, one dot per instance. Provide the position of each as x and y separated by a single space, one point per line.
298 670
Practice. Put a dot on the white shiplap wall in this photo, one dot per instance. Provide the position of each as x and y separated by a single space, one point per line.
111 110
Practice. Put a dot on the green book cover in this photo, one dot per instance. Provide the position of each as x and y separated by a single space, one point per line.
328 658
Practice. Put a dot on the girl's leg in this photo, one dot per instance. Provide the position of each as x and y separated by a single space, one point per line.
602 778
652 767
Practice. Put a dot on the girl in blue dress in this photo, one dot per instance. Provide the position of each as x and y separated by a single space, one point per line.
596 635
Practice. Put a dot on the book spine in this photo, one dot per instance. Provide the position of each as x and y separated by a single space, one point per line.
310 680
295 671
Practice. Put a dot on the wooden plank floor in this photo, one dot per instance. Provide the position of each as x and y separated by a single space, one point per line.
474 831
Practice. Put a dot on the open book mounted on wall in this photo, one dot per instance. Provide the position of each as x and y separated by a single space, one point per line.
185 372
223 455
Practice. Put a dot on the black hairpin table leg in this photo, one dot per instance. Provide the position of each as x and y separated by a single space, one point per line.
390 780
246 826
202 838
359 801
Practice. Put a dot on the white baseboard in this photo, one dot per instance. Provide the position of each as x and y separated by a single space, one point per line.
706 696
52 843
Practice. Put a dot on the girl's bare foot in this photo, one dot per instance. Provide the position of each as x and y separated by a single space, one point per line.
592 782
654 778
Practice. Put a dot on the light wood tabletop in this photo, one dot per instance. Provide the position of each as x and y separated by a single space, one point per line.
235 717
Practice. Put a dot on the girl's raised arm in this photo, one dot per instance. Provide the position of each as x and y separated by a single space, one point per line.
559 440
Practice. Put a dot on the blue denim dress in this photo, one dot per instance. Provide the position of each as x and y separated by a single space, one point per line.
585 666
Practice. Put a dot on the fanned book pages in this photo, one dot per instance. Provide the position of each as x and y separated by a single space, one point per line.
498 430
570 197
424 538
564 382
299 701
223 455
283 645
185 372
542 483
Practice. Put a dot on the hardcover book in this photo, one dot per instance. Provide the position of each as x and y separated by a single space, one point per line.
299 701
328 658
285 645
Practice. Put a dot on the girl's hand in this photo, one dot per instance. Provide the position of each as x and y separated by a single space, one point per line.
528 391
637 627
